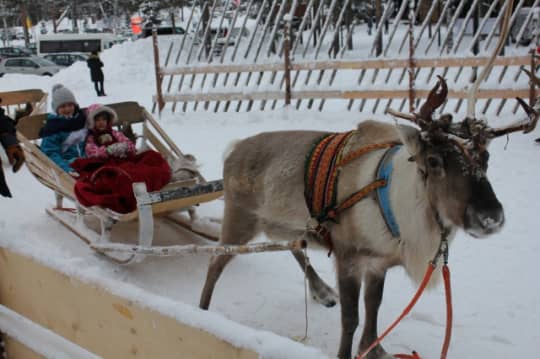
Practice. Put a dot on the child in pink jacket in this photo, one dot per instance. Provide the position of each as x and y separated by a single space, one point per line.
103 141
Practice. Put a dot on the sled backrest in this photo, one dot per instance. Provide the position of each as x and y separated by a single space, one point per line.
128 113
14 101
19 98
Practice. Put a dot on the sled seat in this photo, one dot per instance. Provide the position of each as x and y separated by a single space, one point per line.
139 125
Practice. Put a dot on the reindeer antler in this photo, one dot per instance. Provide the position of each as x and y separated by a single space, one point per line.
435 99
526 125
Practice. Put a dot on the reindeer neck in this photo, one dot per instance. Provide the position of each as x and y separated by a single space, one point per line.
420 230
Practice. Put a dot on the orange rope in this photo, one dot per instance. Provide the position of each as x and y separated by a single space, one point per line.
414 355
449 314
406 311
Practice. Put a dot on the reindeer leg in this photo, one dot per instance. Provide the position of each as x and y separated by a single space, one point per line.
239 227
320 291
349 282
372 300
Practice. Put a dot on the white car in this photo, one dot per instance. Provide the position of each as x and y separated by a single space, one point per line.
28 65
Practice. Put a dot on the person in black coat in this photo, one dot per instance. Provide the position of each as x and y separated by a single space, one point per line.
96 74
15 154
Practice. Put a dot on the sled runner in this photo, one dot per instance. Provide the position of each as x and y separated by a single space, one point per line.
179 195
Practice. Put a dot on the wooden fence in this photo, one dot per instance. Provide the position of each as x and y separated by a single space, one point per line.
326 73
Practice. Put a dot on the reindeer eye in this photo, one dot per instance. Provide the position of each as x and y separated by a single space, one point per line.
434 162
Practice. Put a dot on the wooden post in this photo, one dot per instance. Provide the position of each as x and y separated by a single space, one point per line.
286 55
411 57
159 77
378 39
532 88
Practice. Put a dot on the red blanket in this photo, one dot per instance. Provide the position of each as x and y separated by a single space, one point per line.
108 182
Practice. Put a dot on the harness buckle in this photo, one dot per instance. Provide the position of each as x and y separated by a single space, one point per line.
320 233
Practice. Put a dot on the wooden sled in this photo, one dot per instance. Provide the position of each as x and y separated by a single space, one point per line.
173 198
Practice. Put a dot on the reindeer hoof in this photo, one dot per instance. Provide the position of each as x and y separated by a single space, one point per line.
379 353
325 296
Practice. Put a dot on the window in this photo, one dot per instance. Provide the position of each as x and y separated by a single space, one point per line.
48 46
27 63
13 63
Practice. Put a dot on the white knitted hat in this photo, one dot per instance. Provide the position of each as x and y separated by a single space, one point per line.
61 95
96 109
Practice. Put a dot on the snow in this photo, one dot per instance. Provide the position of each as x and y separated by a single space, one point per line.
259 302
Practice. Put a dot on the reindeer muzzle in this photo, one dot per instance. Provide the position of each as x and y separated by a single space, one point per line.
484 214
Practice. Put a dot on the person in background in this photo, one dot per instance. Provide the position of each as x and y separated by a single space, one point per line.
61 145
102 141
15 154
96 74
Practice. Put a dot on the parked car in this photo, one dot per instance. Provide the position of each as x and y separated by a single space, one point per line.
66 58
28 65
14 52
163 30
237 34
533 26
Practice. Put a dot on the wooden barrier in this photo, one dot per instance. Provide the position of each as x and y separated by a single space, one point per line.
105 324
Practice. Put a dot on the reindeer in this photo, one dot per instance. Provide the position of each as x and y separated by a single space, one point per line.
437 185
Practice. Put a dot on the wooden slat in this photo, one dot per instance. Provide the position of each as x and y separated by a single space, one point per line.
20 97
173 205
29 126
163 134
371 94
149 136
347 65
128 112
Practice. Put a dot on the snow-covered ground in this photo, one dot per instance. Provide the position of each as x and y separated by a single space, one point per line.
495 282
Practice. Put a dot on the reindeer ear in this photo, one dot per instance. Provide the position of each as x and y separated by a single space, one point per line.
410 137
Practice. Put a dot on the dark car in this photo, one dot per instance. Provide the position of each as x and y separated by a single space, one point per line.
163 30
14 52
66 58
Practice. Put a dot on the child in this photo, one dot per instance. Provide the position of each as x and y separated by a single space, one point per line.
59 144
102 141
112 166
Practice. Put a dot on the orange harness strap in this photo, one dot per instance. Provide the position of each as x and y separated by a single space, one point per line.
354 198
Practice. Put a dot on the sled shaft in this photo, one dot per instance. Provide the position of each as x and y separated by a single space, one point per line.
163 251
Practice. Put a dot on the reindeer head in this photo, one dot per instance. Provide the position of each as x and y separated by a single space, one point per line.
452 160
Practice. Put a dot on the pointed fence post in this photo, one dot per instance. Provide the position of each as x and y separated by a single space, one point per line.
412 64
532 88
159 76
286 55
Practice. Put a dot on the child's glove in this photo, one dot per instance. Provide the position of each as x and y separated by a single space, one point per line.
16 156
104 139
118 149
